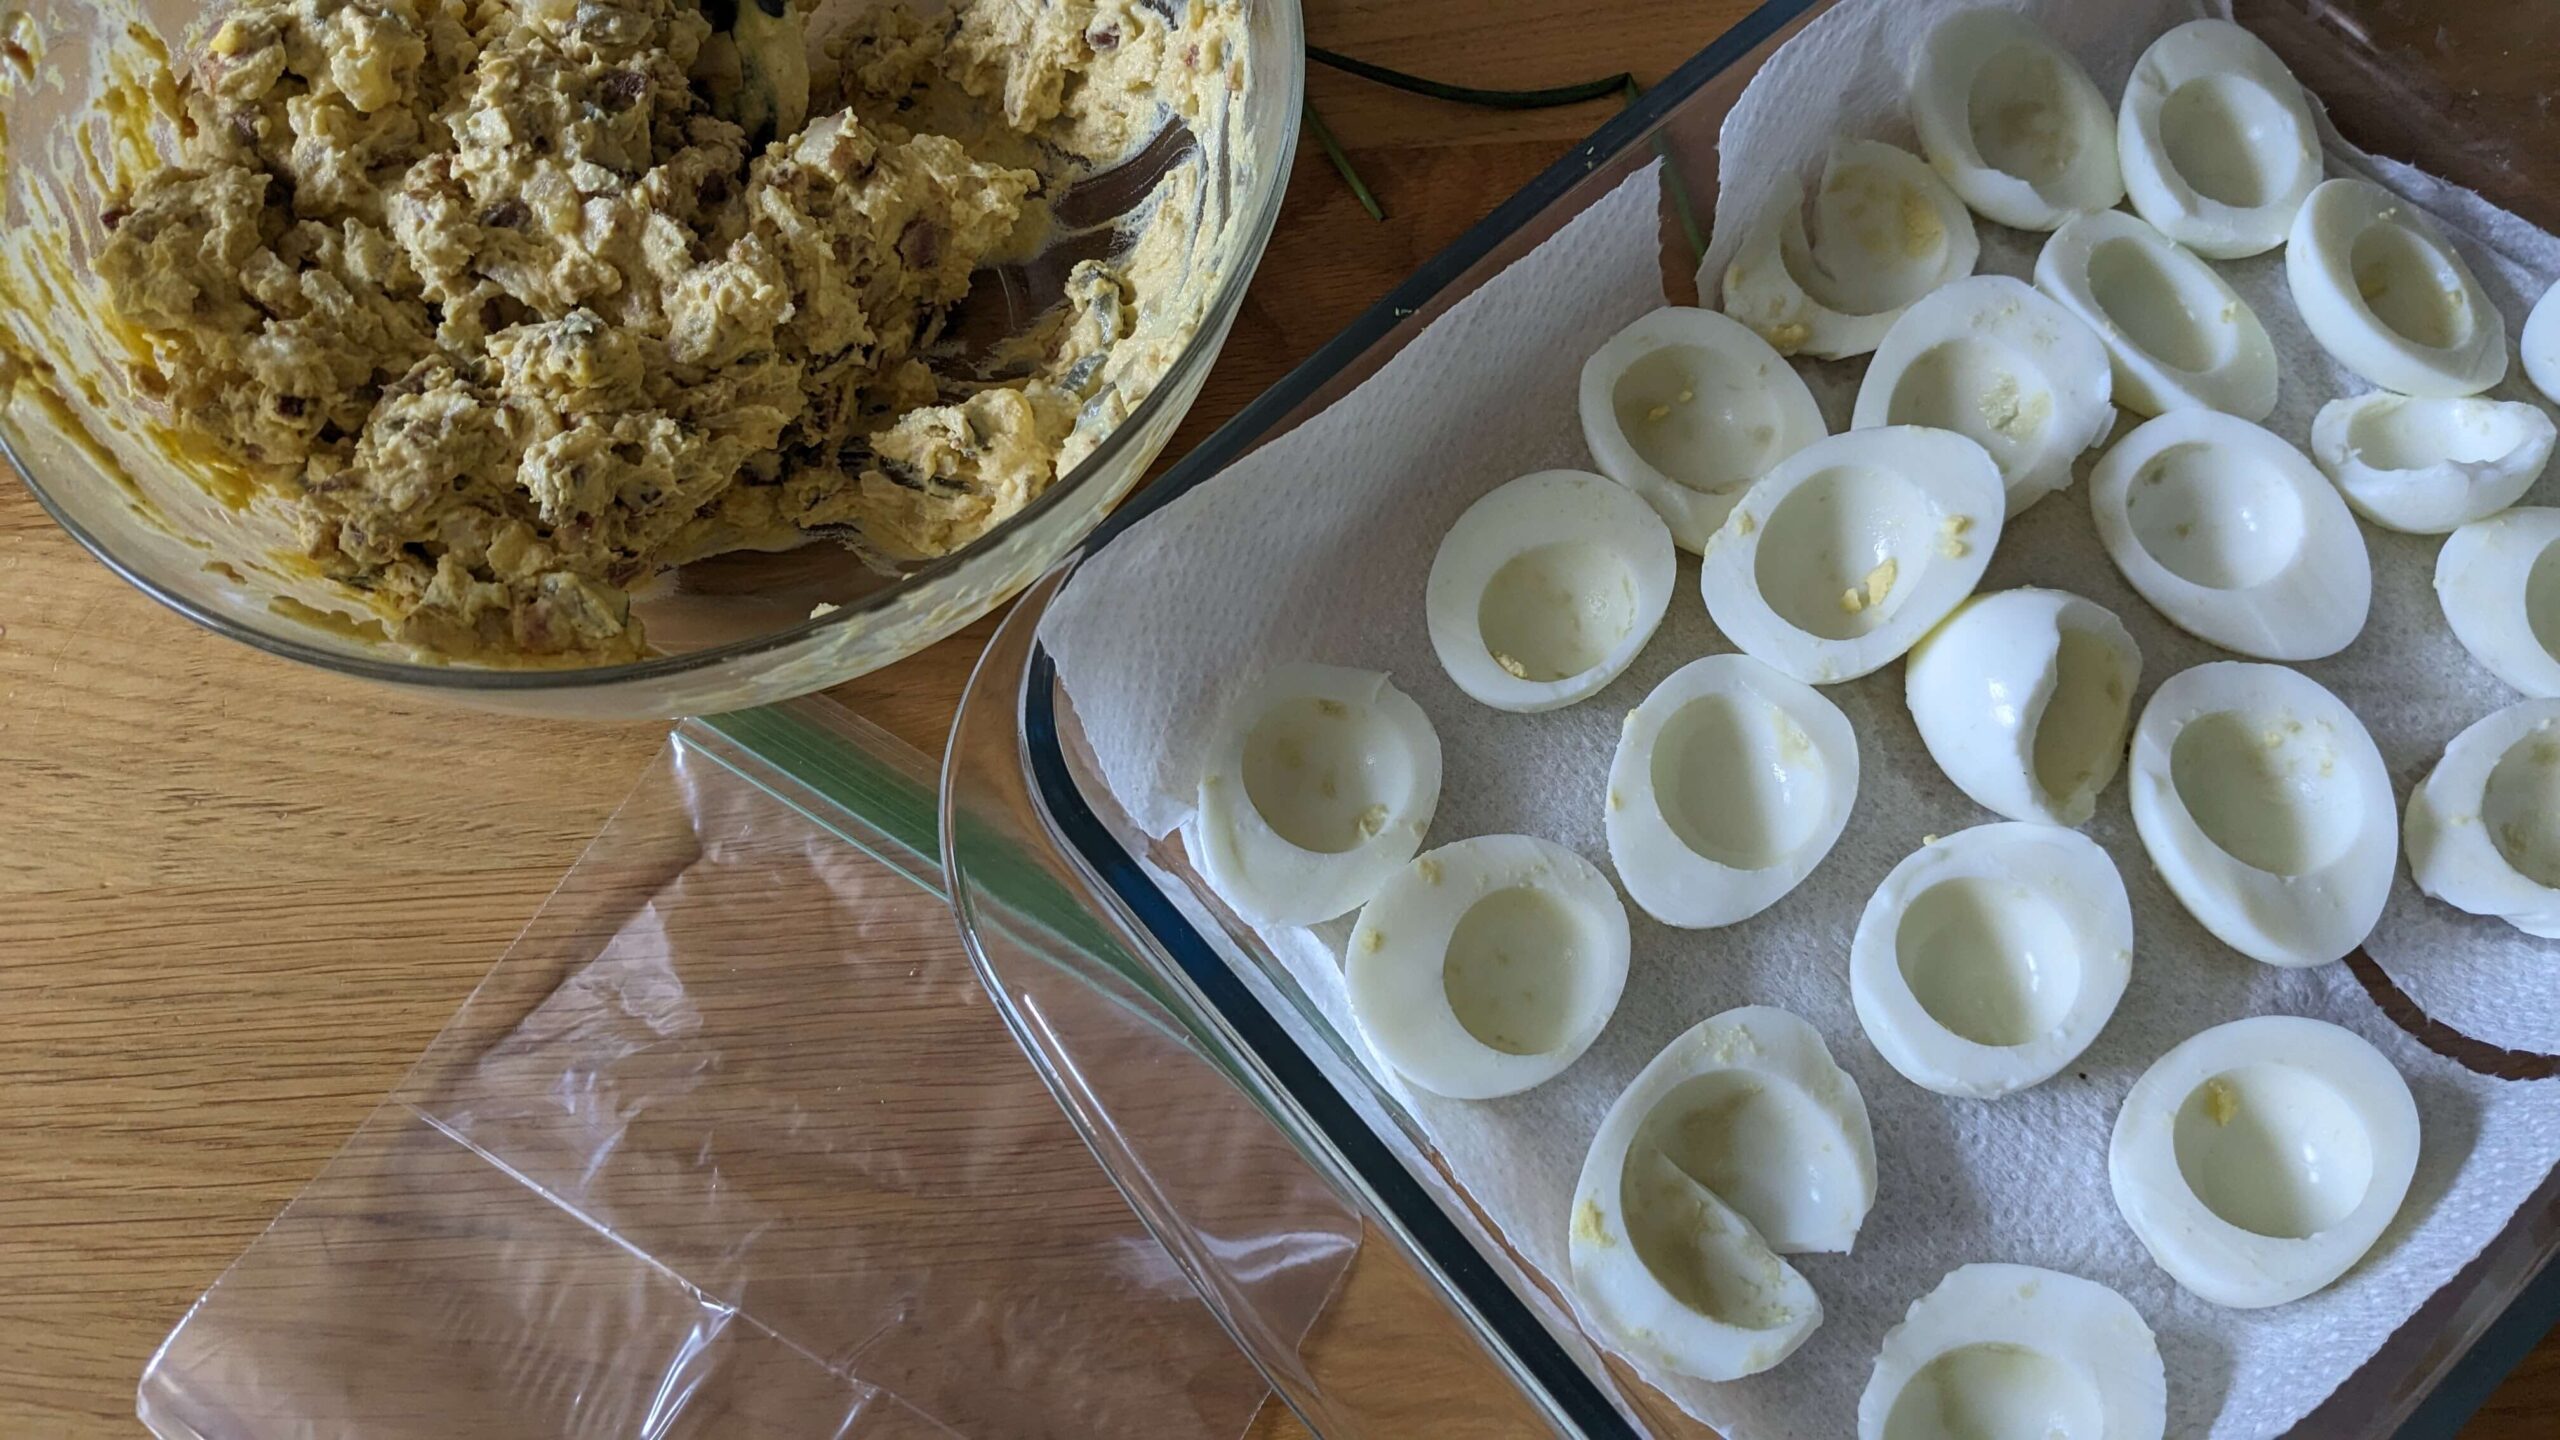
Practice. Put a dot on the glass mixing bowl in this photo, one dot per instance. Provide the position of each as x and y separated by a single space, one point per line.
729 632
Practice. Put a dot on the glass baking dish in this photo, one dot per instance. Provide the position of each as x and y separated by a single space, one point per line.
2459 94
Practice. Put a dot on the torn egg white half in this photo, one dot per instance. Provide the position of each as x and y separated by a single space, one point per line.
2013 1352
1741 1142
2499 583
2259 1160
2024 698
2176 333
2002 365
1887 231
1686 408
1488 965
2216 141
1546 588
2541 344
2233 535
2386 294
2429 466
1990 958
2011 120
1854 547
1320 784
2265 806
1731 782
2484 826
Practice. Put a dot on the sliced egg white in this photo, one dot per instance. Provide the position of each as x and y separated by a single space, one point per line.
1546 589
2260 1159
2383 291
2266 808
1848 552
2541 344
1989 959
1319 786
1741 1142
1889 232
1686 408
2233 535
2176 332
2023 698
2428 466
2499 583
2012 121
1488 965
2216 141
2484 827
2013 1352
2007 368
1730 784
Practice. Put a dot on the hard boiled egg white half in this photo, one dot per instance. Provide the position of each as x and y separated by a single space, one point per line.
1888 232
1741 1142
2499 583
1489 965
2012 121
2017 1351
2002 365
2023 698
1990 959
2260 1159
2385 293
1730 784
1688 407
2265 806
1848 552
1547 588
2484 827
2427 466
2216 141
1320 785
2541 344
2233 535
2176 332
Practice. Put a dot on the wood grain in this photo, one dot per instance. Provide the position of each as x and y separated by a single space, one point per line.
227 925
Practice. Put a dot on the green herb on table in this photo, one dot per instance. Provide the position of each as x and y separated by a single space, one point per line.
1543 99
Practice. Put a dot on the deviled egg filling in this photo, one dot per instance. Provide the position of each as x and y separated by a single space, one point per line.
2260 1159
2429 466
2014 1352
1990 959
1888 231
2265 806
2024 698
1686 408
1848 552
1319 786
2177 335
1741 1142
2233 535
2216 141
2012 121
1731 782
1546 589
2484 827
2498 581
2002 365
1488 965
2540 344
2385 293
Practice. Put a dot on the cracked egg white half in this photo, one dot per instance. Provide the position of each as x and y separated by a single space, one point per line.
1887 231
2484 826
2498 581
2011 120
2259 1160
2387 295
2216 140
1319 786
2015 1352
2024 698
1740 1143
2430 466
2176 333
1686 408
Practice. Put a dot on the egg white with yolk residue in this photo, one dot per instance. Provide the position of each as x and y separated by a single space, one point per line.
2233 535
1320 783
2498 581
2002 365
1740 1142
2387 295
2265 806
2009 1352
2012 122
2484 826
1731 782
2429 466
1888 232
1842 557
2259 1160
2023 697
2177 334
2216 140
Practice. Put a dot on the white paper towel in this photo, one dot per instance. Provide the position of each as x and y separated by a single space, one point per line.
1317 547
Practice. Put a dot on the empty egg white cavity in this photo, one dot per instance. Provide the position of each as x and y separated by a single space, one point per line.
1888 231
2384 292
2484 827
1687 408
2540 344
2003 1351
2427 466
2499 583
1546 589
2233 535
2177 335
2023 698
2216 141
2012 121
2002 365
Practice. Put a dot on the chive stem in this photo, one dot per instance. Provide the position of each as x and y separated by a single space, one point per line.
1342 162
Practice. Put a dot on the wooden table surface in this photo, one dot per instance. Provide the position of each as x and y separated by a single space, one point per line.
226 928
